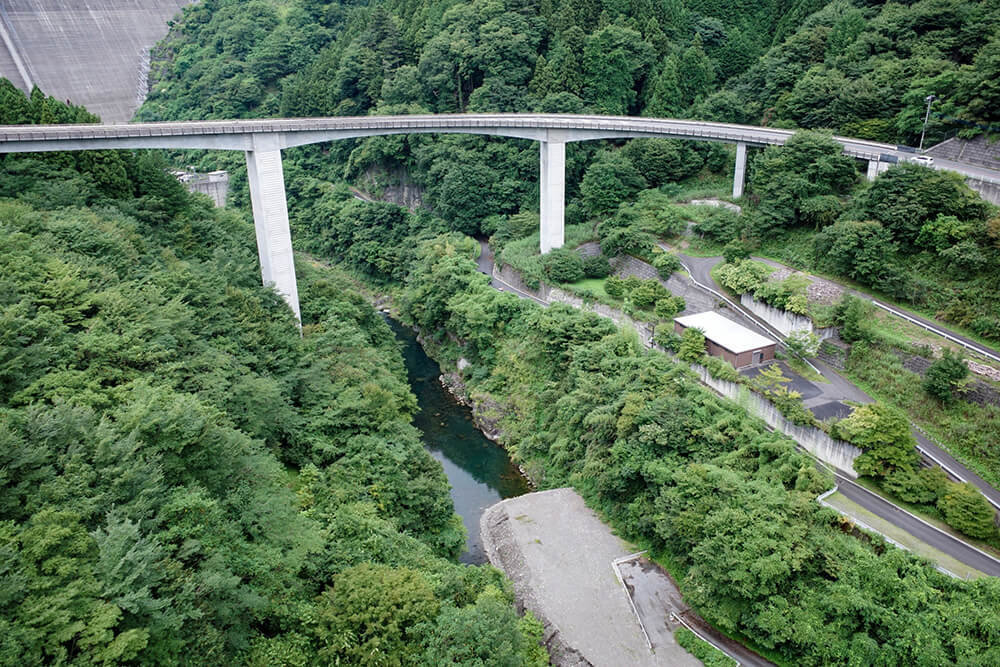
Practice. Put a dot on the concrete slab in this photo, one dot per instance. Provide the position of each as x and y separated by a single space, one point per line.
560 557
90 52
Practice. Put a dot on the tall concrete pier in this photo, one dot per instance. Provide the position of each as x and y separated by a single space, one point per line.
93 53
263 140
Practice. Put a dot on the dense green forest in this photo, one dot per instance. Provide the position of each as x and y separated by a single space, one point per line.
187 479
184 479
727 504
858 68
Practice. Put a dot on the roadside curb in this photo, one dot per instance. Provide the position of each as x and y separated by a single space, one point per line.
925 522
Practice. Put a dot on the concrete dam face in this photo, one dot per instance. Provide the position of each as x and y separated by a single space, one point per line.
93 53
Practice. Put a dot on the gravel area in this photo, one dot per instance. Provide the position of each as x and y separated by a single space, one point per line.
560 557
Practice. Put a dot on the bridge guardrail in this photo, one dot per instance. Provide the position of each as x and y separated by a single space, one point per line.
939 332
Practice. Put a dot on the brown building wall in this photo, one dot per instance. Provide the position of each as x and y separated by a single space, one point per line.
738 360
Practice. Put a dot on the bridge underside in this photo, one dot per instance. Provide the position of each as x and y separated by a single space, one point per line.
263 140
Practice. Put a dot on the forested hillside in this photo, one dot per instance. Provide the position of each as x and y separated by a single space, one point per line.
183 478
148 379
861 69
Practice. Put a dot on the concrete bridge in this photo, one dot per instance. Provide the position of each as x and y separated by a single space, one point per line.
263 140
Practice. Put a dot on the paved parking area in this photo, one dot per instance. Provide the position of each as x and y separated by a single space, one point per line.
807 388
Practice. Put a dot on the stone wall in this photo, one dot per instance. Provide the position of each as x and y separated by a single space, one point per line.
696 300
979 392
817 442
782 320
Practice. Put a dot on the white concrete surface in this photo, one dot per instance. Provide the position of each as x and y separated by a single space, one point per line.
565 574
270 218
740 171
552 186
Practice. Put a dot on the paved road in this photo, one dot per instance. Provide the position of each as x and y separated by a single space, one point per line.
845 390
658 602
701 267
918 528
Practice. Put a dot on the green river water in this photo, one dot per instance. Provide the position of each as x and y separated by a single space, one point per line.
479 470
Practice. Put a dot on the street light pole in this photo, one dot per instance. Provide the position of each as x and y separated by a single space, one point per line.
930 100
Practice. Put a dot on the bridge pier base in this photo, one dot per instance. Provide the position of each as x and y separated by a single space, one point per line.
874 167
270 219
739 173
552 184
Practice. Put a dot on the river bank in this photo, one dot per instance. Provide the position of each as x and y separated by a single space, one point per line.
479 471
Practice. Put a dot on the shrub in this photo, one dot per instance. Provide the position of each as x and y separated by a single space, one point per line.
798 304
617 241
944 377
666 263
615 287
667 338
966 510
736 250
720 225
854 316
803 343
692 345
925 485
596 267
883 433
563 265
668 307
744 276
646 294
721 369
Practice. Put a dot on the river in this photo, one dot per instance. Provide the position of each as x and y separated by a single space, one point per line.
479 470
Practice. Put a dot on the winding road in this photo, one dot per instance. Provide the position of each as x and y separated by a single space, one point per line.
700 268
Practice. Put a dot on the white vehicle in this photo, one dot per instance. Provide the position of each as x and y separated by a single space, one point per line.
925 160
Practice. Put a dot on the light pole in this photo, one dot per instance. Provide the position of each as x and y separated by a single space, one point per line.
930 100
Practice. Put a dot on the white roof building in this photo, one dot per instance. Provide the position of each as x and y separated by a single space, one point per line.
724 332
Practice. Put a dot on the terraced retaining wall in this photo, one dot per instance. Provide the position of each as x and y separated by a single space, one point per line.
782 320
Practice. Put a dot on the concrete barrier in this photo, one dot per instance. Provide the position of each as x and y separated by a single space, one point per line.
782 320
817 442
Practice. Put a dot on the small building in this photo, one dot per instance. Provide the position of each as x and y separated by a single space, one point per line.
727 339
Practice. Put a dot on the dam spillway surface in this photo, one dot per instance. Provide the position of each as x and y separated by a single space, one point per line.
92 53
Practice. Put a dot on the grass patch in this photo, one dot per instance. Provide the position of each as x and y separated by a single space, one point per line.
699 648
593 286
968 431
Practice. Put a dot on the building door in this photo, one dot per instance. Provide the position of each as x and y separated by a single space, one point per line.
758 357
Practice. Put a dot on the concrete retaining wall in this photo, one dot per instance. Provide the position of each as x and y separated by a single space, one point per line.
93 53
817 442
782 320
988 191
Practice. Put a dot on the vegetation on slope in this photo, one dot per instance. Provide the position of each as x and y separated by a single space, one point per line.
695 479
183 478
